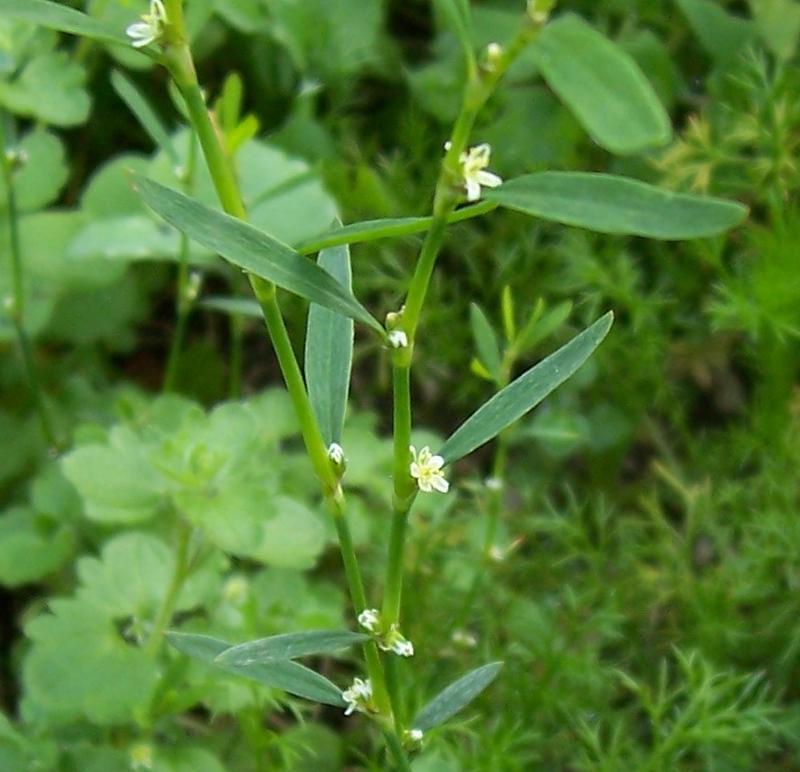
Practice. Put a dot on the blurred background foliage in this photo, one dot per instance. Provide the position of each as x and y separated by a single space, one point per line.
642 578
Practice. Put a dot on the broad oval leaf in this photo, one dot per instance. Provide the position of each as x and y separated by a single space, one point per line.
290 646
329 351
277 674
523 394
61 18
602 85
372 230
456 696
253 250
611 204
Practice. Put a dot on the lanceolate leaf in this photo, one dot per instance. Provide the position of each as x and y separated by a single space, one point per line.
372 230
234 306
610 204
277 674
60 17
525 392
144 113
290 646
456 696
457 16
602 85
485 341
253 250
329 351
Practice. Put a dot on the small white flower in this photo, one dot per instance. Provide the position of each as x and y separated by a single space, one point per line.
493 483
497 553
426 469
236 590
370 619
465 639
358 696
141 756
494 53
16 157
149 29
193 286
397 339
473 169
403 648
336 453
539 11
396 642
415 735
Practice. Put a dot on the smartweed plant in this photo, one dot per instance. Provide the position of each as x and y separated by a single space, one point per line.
611 99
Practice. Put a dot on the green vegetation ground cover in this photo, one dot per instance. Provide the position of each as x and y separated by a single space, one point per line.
637 571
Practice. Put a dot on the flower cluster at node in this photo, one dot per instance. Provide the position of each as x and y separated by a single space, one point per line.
426 469
473 170
464 639
412 737
358 696
141 756
539 10
151 26
397 339
393 640
336 453
493 55
370 619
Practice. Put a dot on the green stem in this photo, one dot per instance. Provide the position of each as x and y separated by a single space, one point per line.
16 304
164 615
446 197
396 747
312 436
179 61
358 598
184 300
237 356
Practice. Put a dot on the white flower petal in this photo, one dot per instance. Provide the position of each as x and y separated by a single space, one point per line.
473 190
488 180
436 462
440 484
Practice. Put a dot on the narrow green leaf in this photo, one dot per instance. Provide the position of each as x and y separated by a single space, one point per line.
277 674
329 351
290 646
145 114
61 18
610 204
485 341
456 696
253 250
234 306
723 35
602 85
540 327
523 394
372 230
457 16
